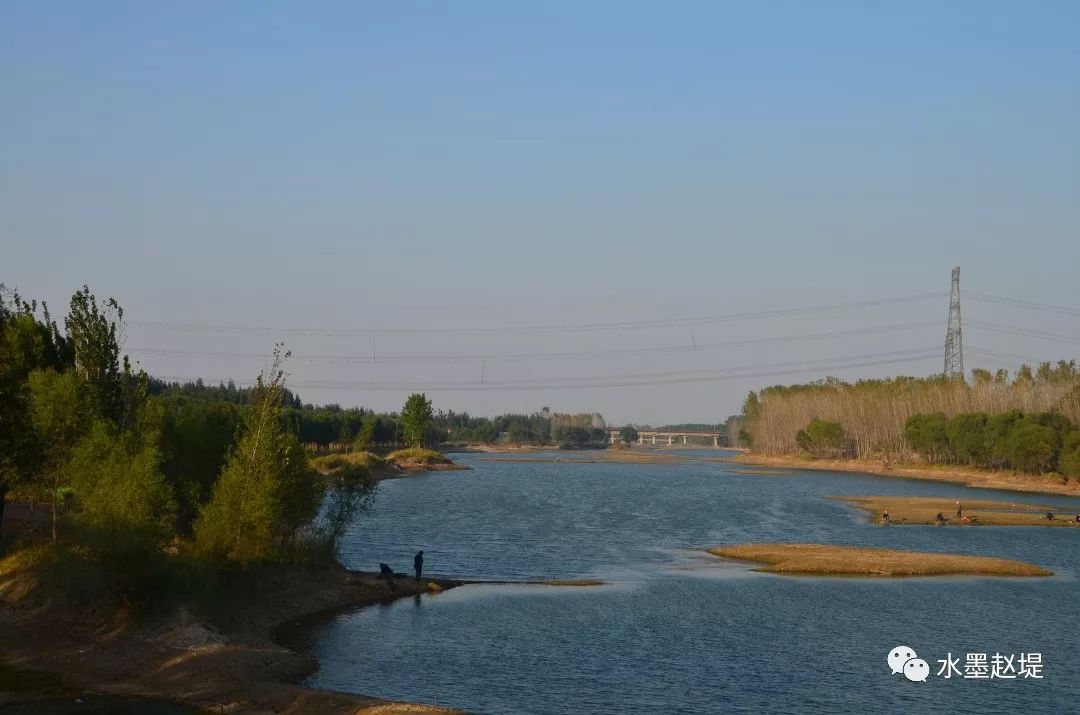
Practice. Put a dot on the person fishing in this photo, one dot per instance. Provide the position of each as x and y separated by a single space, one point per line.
418 563
959 510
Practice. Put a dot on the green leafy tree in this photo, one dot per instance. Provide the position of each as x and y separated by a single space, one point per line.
124 507
572 436
350 489
266 491
822 439
416 417
61 408
93 333
628 434
1069 463
1061 426
366 436
1030 446
967 437
998 428
26 344
927 435
196 436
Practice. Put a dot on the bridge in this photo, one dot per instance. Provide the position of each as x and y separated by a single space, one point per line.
669 436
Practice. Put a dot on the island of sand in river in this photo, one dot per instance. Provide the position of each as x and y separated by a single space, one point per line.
924 511
832 560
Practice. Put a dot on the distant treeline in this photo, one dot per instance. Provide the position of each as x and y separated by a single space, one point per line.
689 427
539 428
893 416
330 425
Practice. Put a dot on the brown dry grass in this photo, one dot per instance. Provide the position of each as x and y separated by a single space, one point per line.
829 560
977 512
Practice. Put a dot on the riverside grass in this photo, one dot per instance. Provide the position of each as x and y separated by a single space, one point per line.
913 511
831 560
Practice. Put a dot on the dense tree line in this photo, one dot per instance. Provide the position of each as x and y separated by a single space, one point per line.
1037 443
874 414
539 428
691 427
331 426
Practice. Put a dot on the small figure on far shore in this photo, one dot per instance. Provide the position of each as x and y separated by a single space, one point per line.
1049 516
940 518
959 510
885 518
418 563
1078 518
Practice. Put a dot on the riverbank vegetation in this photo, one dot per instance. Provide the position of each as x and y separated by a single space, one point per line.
133 491
1026 422
830 560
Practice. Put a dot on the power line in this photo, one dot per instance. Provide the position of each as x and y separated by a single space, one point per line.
552 328
1026 332
646 379
693 347
1009 356
1026 304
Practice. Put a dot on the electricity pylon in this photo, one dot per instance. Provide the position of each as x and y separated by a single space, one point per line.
954 343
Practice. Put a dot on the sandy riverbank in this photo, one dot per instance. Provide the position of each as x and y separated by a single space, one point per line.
976 512
959 475
245 659
829 560
235 661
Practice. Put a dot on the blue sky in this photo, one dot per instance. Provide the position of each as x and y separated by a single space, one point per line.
363 165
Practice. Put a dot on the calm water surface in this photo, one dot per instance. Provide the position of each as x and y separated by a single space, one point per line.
676 630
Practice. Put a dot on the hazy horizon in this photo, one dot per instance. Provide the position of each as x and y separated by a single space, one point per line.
350 169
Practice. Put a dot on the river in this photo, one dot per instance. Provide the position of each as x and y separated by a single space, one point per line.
678 631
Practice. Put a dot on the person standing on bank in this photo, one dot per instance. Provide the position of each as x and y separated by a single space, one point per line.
418 563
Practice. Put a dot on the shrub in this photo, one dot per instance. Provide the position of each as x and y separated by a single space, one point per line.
967 437
823 439
1069 463
1031 446
927 435
998 428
